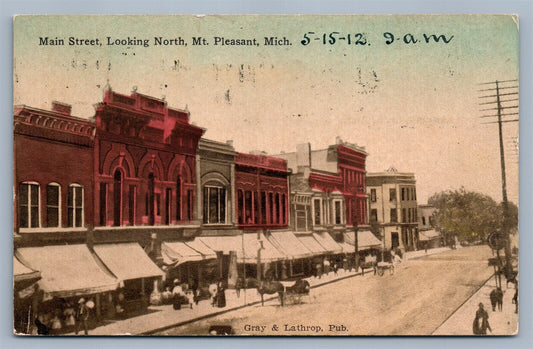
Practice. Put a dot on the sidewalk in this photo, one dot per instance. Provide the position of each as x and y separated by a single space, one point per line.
162 317
503 323
423 253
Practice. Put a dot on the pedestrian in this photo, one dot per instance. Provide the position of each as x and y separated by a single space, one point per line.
238 286
496 299
177 294
326 266
515 297
319 270
82 316
481 321
221 295
41 323
196 291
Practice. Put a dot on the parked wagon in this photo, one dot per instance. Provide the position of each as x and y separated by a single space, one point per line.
382 266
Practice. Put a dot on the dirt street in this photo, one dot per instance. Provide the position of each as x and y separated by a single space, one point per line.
420 295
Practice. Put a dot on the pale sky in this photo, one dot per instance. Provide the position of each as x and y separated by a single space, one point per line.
412 106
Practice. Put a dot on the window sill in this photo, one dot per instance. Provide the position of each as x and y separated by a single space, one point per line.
51 230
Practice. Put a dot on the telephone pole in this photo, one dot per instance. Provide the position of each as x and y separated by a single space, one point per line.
501 99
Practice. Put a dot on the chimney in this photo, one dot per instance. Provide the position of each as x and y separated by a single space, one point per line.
230 142
61 108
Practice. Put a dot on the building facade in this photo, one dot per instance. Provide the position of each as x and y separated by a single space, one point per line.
393 208
52 196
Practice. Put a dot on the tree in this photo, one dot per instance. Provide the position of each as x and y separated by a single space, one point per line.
470 215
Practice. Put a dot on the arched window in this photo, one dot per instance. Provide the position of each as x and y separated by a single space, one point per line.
178 198
117 198
75 206
151 198
29 209
214 204
53 205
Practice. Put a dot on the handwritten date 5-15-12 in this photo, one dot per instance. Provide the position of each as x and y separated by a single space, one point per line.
361 39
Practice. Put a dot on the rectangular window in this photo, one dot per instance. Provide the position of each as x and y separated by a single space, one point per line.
373 195
300 221
75 206
392 194
190 204
52 205
214 205
158 204
403 194
256 208
338 212
263 208
409 215
248 207
29 205
414 191
240 206
423 220
404 216
103 203
131 204
168 200
373 215
317 212
393 215
271 208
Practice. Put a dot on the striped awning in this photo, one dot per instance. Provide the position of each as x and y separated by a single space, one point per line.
310 242
366 240
289 244
68 270
127 261
326 241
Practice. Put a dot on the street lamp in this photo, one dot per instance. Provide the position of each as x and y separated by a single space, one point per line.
259 256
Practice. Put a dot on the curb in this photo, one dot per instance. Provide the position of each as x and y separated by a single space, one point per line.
203 317
462 304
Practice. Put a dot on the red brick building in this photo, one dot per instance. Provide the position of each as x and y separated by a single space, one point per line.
144 167
53 156
262 190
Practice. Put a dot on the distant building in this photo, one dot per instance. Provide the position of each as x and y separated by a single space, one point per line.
393 207
428 236
425 217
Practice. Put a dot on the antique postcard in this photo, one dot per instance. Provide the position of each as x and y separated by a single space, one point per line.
265 175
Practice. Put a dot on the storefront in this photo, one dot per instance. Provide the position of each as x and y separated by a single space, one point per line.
68 273
137 274
25 292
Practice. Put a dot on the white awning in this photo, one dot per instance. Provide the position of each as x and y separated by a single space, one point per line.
246 246
326 241
68 270
127 261
428 235
366 240
288 243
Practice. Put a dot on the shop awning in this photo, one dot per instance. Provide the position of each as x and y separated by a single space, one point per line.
199 246
326 241
246 247
127 261
312 245
288 243
347 248
23 273
68 270
252 244
366 240
175 253
428 235
224 244
24 278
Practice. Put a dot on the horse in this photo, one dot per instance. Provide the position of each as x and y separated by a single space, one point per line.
300 287
271 287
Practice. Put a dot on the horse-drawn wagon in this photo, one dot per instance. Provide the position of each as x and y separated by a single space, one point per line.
382 266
